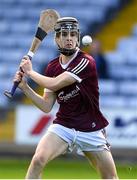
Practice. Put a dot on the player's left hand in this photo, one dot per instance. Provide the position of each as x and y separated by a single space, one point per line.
26 65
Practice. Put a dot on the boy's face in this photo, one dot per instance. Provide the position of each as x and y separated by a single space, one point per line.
67 38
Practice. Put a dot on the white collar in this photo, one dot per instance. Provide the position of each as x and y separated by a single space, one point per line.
64 66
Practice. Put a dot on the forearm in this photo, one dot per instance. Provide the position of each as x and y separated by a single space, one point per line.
36 99
53 84
46 82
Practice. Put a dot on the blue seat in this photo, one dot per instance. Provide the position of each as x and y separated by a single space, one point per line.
131 58
123 72
128 88
4 27
108 87
115 58
112 101
134 30
127 43
22 27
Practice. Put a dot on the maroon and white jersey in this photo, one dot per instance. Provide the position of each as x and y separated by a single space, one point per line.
79 102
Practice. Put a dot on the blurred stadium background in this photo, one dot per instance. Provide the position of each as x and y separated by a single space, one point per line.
114 24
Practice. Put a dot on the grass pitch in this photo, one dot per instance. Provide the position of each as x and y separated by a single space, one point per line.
61 169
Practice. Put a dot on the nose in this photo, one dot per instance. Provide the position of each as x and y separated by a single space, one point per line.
69 38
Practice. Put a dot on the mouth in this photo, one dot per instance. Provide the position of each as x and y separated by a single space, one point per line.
69 45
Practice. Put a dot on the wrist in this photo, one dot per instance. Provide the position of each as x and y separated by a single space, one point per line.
29 73
24 87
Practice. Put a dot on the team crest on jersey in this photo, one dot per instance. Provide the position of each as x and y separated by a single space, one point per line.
93 124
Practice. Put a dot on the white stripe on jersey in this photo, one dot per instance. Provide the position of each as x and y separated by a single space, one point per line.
80 66
85 61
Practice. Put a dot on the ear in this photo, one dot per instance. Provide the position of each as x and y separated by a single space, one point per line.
57 40
78 39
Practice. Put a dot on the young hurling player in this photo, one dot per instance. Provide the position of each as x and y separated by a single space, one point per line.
71 79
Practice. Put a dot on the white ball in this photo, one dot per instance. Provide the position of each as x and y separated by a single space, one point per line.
86 40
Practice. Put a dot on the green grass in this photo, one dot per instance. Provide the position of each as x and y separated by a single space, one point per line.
61 169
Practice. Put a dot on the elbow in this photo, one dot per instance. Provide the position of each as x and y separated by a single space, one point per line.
54 87
45 106
55 84
46 110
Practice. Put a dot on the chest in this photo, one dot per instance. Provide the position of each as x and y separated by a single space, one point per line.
69 94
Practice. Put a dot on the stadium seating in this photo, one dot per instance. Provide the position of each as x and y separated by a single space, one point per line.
18 25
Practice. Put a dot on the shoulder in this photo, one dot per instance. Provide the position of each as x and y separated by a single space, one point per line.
87 56
53 62
49 71
83 65
86 59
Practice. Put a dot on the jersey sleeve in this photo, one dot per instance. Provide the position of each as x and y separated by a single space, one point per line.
48 71
83 69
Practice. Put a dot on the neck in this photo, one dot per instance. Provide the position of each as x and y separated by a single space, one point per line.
65 59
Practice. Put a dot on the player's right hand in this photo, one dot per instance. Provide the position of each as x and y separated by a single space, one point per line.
19 78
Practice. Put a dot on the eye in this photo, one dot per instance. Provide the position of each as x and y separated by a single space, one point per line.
73 33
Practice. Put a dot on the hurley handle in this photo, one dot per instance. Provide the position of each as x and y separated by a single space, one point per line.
10 93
